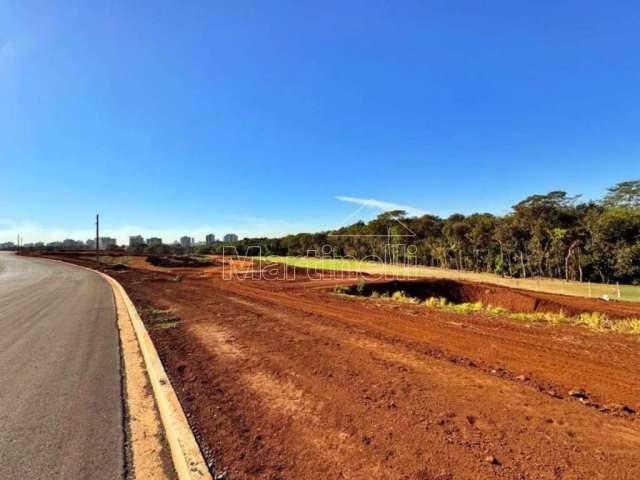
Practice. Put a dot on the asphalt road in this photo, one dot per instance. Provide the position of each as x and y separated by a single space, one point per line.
60 391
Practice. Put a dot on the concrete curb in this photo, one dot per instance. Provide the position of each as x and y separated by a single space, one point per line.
187 458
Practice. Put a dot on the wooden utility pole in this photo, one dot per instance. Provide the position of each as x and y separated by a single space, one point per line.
97 239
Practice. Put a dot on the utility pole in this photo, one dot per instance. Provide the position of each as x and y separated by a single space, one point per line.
97 239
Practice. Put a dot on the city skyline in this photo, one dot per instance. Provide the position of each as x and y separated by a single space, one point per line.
467 107
133 240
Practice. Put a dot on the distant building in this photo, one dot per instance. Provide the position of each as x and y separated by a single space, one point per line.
230 238
210 239
136 240
186 242
91 244
154 241
107 243
7 246
69 243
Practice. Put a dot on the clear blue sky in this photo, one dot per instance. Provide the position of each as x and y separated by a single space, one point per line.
253 116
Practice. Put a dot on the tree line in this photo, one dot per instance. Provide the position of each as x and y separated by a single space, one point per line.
551 235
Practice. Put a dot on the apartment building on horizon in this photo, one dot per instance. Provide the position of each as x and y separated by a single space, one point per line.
230 238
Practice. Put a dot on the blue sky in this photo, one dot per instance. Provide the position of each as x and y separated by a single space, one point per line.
172 117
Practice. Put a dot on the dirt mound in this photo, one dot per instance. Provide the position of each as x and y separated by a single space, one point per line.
180 261
119 267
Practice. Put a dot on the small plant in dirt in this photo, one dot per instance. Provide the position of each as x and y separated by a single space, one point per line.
158 317
434 302
496 311
594 320
398 296
167 325
361 286
342 290
178 278
401 296
628 325
464 308
547 317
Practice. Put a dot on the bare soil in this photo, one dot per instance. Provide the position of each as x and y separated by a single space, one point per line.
285 379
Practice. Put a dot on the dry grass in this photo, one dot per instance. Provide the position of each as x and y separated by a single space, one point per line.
628 325
163 319
547 317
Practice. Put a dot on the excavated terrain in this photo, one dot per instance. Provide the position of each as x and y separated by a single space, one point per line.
282 378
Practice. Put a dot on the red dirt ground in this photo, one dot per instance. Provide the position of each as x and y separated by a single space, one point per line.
284 379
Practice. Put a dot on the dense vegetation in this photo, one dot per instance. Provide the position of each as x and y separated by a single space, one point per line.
552 235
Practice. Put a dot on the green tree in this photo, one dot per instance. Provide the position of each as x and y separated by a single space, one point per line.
623 194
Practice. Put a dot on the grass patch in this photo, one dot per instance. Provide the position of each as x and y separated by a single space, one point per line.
440 302
594 320
462 308
465 308
160 318
495 311
402 297
628 325
167 325
546 317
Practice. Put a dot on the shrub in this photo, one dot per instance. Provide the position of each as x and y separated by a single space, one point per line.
432 302
342 290
594 320
628 325
398 296
401 296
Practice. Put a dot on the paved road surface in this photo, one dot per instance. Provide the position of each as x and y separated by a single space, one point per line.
60 393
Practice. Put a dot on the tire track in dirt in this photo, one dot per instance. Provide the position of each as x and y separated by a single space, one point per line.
283 398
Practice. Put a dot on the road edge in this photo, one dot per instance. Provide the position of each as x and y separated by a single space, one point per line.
147 450
188 461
